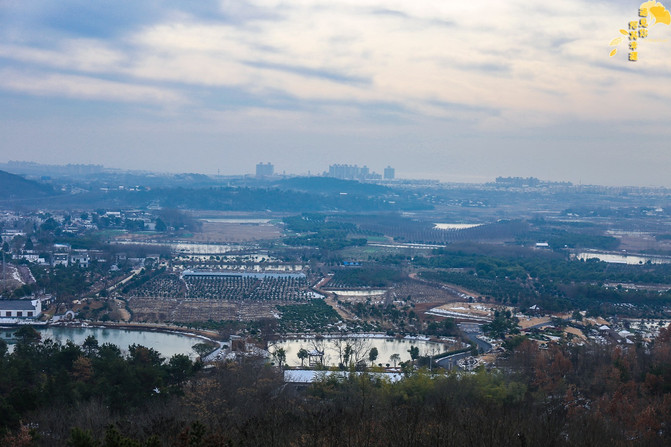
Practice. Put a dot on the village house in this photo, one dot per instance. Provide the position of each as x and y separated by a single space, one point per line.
20 308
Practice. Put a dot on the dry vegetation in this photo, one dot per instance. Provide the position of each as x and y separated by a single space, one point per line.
235 232
147 309
423 292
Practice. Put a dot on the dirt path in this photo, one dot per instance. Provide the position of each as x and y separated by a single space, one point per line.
345 315
330 300
123 312
451 286
125 280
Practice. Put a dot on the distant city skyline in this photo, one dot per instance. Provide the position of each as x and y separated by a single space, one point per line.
452 91
266 170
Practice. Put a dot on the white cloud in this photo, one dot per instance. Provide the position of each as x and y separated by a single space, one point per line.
82 87
543 60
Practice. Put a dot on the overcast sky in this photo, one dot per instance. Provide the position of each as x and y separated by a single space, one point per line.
456 91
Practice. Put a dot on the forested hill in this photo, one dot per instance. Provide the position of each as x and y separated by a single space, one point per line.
235 199
15 187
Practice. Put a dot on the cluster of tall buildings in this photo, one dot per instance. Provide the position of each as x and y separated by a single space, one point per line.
265 170
354 172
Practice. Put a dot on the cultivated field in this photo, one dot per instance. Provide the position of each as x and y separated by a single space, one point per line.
148 309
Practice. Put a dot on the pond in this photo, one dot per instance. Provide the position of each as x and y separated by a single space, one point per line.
168 344
188 248
361 347
454 226
622 258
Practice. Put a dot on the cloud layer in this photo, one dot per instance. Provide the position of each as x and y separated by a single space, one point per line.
433 86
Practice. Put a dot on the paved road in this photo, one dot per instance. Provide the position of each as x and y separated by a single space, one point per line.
450 361
471 331
483 345
217 354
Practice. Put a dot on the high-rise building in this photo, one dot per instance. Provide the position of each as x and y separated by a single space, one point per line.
265 169
352 172
389 173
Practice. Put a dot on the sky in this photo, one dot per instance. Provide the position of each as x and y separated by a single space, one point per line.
447 90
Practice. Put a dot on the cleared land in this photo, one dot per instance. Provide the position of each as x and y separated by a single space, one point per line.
154 310
235 232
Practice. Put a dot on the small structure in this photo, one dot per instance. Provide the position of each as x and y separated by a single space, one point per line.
315 357
238 344
20 308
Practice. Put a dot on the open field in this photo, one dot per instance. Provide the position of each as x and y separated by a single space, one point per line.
235 232
156 310
424 292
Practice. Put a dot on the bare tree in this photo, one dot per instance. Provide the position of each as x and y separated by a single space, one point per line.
394 358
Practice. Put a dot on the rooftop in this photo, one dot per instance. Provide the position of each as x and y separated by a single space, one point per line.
17 305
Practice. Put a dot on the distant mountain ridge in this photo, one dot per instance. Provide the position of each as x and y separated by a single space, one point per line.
15 187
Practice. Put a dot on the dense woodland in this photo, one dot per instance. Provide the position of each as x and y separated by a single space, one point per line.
92 395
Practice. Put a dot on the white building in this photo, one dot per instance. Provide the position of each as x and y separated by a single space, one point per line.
20 308
80 257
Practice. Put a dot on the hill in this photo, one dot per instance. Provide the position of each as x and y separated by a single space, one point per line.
14 187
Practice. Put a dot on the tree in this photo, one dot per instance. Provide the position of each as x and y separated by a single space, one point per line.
372 356
202 349
29 244
90 346
302 354
81 438
27 334
414 353
180 367
347 354
395 358
160 225
281 356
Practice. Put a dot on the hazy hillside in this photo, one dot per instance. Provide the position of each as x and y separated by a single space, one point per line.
14 187
327 185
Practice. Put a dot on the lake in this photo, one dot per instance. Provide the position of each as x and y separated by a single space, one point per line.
168 344
361 346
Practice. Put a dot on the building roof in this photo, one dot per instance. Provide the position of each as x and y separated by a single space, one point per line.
16 305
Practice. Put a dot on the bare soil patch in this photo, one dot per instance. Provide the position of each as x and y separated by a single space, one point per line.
156 310
235 232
